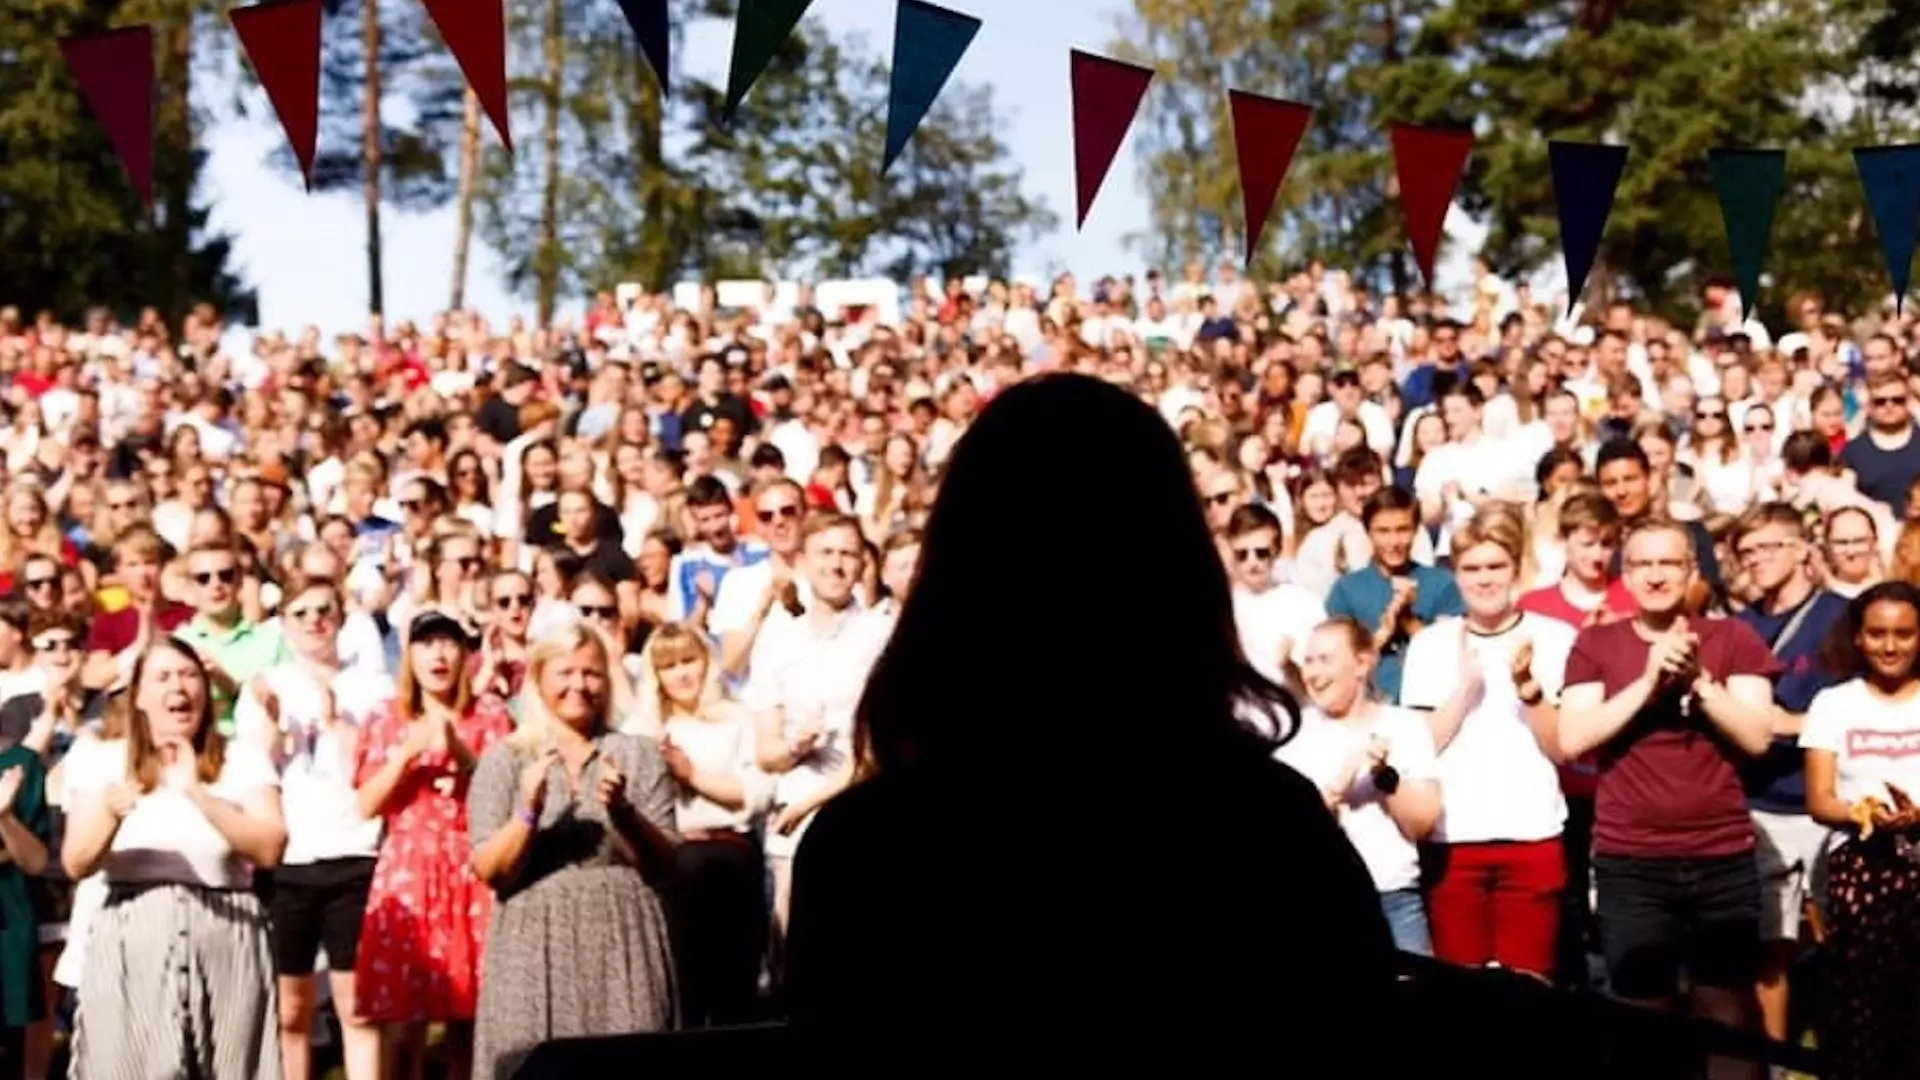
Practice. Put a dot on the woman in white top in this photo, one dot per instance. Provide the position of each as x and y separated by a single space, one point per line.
716 898
307 713
1495 896
179 971
1374 764
1862 740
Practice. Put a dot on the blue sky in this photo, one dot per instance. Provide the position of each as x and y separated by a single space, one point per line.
306 254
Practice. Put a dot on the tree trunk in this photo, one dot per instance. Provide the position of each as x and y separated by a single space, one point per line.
655 265
469 183
174 155
547 266
370 152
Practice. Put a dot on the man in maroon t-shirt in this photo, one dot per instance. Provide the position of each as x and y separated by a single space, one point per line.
1672 706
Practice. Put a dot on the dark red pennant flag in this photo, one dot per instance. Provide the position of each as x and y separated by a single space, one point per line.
1429 162
282 39
115 73
476 33
1106 95
1266 132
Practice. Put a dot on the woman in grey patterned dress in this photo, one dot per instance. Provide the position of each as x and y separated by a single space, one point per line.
573 825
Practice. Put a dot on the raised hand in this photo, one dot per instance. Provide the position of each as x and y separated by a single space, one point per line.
10 782
1520 664
533 779
678 763
609 784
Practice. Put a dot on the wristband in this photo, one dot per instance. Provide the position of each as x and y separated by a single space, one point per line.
529 818
1536 697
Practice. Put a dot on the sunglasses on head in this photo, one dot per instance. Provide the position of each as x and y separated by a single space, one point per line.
226 577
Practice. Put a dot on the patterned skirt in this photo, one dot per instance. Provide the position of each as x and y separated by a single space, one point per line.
1872 1026
178 981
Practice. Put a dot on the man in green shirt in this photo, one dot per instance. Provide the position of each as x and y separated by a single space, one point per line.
234 649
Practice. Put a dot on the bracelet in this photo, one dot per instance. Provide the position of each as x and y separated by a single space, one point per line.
527 817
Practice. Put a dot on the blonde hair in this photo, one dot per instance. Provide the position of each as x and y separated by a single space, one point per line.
537 721
651 708
1497 524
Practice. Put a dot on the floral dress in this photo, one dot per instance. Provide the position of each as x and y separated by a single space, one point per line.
427 914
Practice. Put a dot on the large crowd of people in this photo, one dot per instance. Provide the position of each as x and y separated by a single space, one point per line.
438 690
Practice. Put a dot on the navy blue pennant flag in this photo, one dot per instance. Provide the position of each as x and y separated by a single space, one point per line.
928 43
649 21
1585 176
1891 177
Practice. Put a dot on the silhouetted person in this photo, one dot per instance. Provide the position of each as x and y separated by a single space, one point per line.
1067 856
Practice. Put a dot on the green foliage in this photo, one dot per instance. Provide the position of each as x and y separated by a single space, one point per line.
654 191
1671 79
73 231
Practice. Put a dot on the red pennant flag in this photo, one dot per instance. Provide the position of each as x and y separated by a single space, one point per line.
115 73
476 34
1266 132
1106 95
282 39
1429 162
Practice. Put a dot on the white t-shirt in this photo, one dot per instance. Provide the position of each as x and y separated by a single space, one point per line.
165 839
1495 781
1323 747
316 793
1284 612
815 677
1875 742
721 746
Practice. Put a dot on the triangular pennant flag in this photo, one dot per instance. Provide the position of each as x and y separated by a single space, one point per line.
649 21
282 39
1585 176
115 73
1749 184
476 33
1428 162
1266 132
757 35
1106 95
1891 177
928 43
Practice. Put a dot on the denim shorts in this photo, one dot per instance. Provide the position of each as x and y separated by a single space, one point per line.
1406 914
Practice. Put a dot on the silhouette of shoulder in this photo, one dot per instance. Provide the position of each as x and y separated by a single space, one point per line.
1193 918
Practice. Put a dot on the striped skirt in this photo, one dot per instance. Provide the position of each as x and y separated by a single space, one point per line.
178 983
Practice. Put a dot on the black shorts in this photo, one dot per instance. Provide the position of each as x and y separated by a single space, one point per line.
315 905
1659 917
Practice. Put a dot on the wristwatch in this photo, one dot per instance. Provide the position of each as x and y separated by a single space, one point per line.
1536 697
1386 778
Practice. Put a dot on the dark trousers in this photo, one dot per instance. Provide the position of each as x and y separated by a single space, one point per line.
716 909
1576 909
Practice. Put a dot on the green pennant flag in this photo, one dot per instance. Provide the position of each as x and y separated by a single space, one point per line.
1749 183
757 35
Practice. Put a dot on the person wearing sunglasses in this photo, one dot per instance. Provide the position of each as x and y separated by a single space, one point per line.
234 647
1275 617
750 593
1885 456
308 711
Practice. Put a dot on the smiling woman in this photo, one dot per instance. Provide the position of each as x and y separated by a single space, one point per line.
1860 741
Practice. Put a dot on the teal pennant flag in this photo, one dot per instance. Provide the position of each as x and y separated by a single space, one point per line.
1749 183
757 35
1891 177
928 43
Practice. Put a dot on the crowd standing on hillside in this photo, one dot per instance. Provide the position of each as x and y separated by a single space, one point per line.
484 679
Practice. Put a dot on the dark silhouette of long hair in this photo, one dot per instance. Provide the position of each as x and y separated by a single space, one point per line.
1069 594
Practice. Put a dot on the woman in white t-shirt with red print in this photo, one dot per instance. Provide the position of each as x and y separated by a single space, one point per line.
1497 865
1374 764
1862 739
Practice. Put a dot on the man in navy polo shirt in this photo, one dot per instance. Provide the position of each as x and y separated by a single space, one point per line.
1793 618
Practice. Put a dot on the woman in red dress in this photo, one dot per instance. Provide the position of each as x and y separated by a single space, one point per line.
427 915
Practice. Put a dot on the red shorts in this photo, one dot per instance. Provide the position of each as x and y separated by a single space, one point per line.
1497 903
